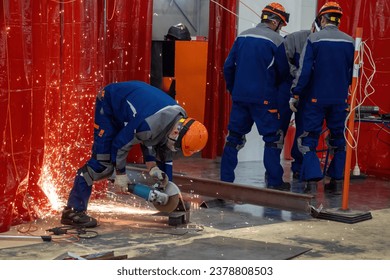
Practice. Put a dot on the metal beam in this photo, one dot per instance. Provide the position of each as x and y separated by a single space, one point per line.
244 194
241 193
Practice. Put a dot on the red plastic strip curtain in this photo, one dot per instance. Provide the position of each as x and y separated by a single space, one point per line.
374 138
54 56
222 33
129 39
22 108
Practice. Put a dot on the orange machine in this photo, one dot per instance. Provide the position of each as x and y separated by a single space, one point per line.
190 63
190 75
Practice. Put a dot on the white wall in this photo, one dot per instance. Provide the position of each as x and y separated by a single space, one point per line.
302 13
192 13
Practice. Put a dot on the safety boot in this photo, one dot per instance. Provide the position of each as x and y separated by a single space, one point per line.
77 219
310 187
334 187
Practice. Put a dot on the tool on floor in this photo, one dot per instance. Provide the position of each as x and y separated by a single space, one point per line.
80 232
163 199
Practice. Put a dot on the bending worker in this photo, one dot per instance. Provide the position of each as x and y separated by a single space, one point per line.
255 65
323 78
126 114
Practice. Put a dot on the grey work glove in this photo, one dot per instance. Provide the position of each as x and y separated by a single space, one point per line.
122 182
293 104
160 175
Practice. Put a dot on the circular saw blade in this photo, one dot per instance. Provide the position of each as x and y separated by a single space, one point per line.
174 197
173 201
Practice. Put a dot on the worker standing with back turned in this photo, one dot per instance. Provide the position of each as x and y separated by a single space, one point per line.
324 76
256 64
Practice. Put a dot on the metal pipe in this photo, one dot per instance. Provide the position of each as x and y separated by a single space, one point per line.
43 237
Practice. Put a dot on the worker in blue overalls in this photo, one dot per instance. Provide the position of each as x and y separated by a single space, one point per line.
324 77
126 114
255 66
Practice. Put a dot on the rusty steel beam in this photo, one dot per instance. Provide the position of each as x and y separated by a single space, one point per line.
241 193
244 194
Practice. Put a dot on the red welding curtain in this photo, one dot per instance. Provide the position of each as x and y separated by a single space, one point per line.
53 57
222 33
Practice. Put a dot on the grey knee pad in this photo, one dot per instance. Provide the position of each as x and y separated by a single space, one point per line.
91 175
237 138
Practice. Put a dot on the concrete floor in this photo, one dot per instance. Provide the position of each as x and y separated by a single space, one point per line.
132 227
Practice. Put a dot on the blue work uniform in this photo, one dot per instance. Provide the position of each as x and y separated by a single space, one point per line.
254 68
294 43
323 80
126 114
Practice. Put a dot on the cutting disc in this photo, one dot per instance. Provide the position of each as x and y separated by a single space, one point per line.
174 197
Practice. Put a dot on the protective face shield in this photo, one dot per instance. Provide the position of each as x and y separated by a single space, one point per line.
317 24
192 137
171 143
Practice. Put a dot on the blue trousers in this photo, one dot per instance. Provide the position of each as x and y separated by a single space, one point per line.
313 118
242 117
99 166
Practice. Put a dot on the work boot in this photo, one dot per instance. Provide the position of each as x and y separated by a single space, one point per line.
285 186
77 219
310 187
334 187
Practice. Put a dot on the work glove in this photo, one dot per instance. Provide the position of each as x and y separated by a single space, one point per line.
293 104
160 175
122 182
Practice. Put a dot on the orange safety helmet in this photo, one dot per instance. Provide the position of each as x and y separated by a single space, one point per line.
277 9
192 137
331 8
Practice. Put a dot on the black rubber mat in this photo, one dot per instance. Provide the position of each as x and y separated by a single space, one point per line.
338 215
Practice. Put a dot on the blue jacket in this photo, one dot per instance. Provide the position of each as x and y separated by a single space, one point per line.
255 66
326 66
140 113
